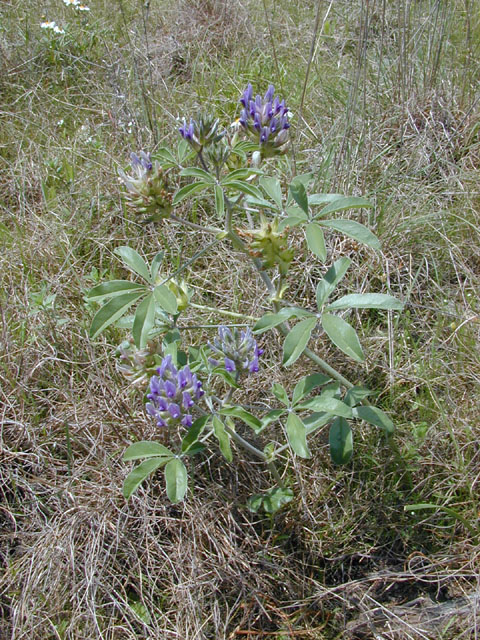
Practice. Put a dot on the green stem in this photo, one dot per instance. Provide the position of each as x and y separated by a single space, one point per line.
257 453
192 225
223 312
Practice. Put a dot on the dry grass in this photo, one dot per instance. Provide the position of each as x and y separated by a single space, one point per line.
391 111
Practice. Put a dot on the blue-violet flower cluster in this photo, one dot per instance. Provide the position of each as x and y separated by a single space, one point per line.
238 349
266 121
147 190
172 394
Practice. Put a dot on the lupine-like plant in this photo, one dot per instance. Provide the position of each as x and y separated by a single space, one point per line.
191 389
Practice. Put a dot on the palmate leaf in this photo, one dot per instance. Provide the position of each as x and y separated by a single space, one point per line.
375 416
138 475
223 439
272 188
297 436
134 261
297 339
330 280
342 203
327 404
298 193
113 289
316 241
341 441
143 321
194 432
240 174
353 230
244 187
165 299
219 201
271 320
243 415
176 479
188 190
146 449
196 172
279 392
155 266
343 336
308 384
111 311
367 301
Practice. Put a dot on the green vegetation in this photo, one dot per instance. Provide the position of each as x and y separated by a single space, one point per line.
385 106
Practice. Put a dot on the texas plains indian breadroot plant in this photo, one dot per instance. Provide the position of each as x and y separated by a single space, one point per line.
193 391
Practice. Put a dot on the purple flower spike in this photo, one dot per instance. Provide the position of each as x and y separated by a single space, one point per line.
230 365
238 349
265 120
171 393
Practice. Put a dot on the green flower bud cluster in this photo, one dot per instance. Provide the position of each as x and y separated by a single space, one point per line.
181 292
148 190
137 364
269 244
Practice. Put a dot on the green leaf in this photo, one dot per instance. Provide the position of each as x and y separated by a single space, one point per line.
272 188
308 384
196 172
188 190
244 415
329 405
297 339
343 203
375 416
367 301
271 416
165 299
244 187
134 260
330 280
111 311
223 439
290 221
353 230
270 320
261 203
280 393
355 395
297 436
155 266
176 479
165 156
240 174
114 288
277 498
219 201
341 441
343 336
144 320
298 193
323 198
138 475
316 241
271 501
227 376
193 432
146 449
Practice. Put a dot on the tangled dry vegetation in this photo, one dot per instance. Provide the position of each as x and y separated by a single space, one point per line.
390 111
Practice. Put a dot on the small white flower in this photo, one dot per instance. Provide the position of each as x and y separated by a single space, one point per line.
48 25
71 3
83 7
58 30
